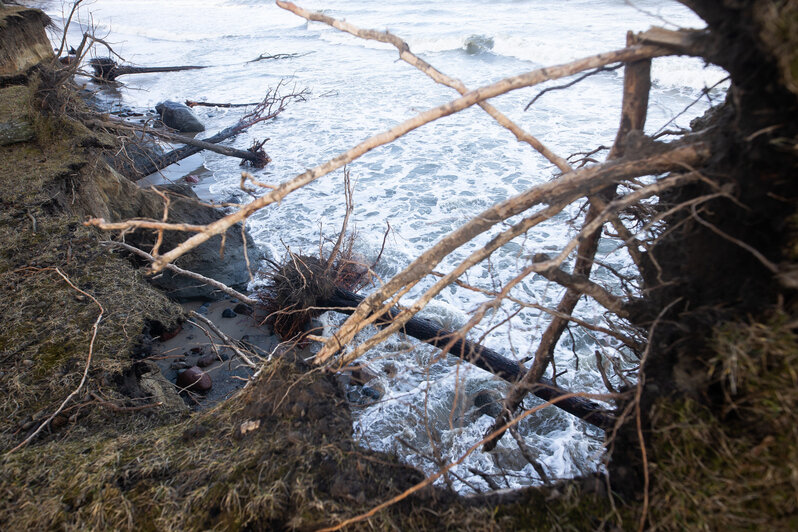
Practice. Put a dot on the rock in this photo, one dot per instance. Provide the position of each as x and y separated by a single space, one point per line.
206 360
196 350
488 402
231 269
243 308
362 375
390 370
15 126
194 379
168 335
191 178
160 390
28 362
179 364
228 313
179 116
371 393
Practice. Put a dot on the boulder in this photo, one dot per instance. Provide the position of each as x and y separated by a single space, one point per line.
230 269
179 116
488 402
136 155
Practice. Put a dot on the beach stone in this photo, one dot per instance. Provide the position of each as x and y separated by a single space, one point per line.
231 269
206 360
228 313
362 376
179 116
179 364
371 393
195 380
488 402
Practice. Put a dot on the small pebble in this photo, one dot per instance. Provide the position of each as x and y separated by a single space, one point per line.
228 313
27 362
206 360
196 350
194 379
179 364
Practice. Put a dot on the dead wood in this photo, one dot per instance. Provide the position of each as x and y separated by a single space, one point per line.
637 83
634 53
107 70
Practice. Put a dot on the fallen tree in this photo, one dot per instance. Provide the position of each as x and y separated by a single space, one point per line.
107 70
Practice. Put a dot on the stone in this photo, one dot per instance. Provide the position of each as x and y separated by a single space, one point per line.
179 116
206 360
15 126
370 393
488 402
179 364
160 390
137 153
185 207
228 313
194 379
362 375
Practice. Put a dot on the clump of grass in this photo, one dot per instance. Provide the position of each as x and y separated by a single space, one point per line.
733 466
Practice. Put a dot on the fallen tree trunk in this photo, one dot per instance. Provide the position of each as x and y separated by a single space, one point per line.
258 159
195 146
106 69
481 356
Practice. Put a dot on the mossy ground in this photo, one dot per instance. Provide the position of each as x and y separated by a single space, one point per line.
46 324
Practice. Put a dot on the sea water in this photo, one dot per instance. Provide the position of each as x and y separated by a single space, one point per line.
425 184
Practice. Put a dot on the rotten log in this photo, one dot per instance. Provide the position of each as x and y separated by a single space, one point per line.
106 69
480 356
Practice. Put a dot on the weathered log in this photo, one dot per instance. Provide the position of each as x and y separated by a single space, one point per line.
195 146
106 69
482 357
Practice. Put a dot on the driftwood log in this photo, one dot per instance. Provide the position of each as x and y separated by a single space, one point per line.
481 356
106 69
195 146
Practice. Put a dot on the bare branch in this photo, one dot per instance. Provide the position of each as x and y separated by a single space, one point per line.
633 53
